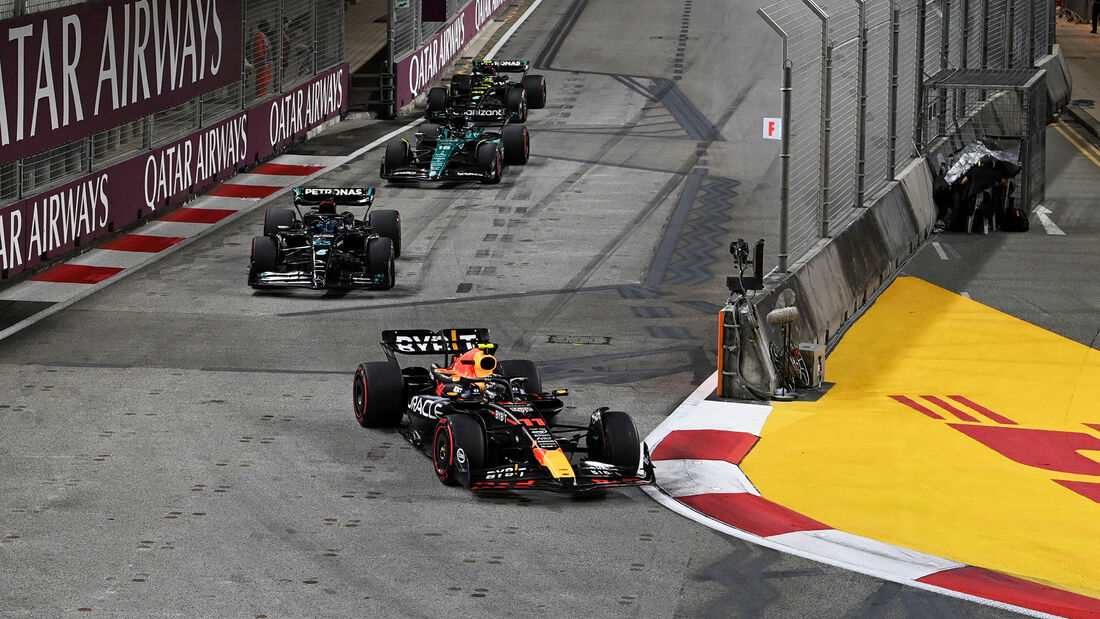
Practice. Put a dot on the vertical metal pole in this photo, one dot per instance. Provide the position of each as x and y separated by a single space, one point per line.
1052 18
826 136
826 111
892 104
861 124
945 55
785 167
918 117
1010 31
985 36
945 36
964 48
389 89
785 145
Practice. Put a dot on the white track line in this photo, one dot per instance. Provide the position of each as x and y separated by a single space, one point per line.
512 30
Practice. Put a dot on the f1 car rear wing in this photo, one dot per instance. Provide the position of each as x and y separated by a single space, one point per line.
425 342
342 196
502 66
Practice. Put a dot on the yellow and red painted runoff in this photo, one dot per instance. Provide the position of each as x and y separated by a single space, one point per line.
958 431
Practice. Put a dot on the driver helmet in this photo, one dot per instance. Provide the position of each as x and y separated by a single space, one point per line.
326 207
487 69
475 364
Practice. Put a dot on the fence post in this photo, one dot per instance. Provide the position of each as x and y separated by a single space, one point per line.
390 94
892 103
785 145
826 111
964 50
861 124
785 164
1010 35
918 81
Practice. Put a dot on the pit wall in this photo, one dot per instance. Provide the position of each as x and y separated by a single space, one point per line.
57 223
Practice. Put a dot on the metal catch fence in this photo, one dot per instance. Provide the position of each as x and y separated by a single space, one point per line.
854 80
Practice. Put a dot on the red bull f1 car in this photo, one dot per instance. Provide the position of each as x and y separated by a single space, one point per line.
321 248
490 426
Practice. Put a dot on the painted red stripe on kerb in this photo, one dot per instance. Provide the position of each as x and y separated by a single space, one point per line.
1016 591
705 445
198 215
915 406
751 513
983 410
233 190
947 407
284 169
76 274
142 243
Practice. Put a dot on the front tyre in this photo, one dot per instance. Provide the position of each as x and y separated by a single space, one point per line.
515 102
490 162
458 448
387 223
535 86
613 439
377 394
381 263
397 156
517 144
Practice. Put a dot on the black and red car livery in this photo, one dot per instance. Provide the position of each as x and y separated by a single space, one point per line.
489 425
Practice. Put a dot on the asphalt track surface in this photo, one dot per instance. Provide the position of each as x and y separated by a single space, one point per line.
178 445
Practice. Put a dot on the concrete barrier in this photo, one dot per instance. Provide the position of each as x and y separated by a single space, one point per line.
840 275
1059 79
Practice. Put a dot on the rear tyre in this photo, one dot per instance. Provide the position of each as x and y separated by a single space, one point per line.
526 369
277 217
387 223
458 448
517 144
515 101
613 439
377 394
535 86
490 161
380 257
397 156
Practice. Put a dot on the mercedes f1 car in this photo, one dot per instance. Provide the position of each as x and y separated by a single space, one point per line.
490 426
460 149
321 248
495 73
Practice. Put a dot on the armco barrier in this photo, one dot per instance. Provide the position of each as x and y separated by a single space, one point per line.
56 222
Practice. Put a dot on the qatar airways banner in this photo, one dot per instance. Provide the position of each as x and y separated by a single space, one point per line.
78 70
53 223
417 71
